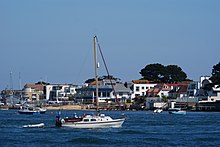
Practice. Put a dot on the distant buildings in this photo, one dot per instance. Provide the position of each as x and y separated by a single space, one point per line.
191 95
107 92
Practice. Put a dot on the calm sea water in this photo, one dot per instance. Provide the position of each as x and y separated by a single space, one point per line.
141 128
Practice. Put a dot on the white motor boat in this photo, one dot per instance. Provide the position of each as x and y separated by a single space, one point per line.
28 110
94 121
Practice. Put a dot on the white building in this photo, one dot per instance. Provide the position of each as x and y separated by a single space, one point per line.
140 87
122 92
59 92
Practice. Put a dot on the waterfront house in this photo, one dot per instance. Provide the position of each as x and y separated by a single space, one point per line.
154 102
87 95
159 90
33 92
60 92
107 93
140 87
177 90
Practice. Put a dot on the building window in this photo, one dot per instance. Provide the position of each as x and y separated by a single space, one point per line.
104 94
100 94
142 87
108 94
137 88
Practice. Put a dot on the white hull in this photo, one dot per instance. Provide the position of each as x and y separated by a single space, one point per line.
158 110
176 111
115 123
41 125
179 112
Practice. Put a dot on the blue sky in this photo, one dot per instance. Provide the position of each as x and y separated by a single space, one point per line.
52 40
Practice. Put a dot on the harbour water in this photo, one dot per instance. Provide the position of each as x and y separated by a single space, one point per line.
141 128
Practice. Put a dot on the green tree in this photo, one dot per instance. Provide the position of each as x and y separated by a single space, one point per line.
103 78
215 78
153 72
90 80
174 74
165 74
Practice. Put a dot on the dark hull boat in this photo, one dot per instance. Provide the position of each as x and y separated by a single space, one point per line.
26 111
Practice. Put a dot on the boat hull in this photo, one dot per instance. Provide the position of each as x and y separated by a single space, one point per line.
29 112
158 110
116 123
179 112
176 111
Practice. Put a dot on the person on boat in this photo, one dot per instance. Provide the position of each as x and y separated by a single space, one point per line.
58 121
75 115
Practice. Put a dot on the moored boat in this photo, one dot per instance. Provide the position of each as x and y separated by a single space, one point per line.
176 111
158 110
40 125
28 110
41 110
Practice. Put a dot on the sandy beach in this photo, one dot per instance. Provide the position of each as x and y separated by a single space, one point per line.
65 107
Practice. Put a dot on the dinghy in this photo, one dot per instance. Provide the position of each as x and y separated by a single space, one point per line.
40 125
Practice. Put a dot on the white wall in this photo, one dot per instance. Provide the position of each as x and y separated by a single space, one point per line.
142 89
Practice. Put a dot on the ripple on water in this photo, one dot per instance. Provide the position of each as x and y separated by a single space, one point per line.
87 140
131 132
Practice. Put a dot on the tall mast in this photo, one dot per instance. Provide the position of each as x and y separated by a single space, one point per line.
96 74
19 81
11 82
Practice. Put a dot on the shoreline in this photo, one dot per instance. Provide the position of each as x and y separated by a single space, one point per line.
65 107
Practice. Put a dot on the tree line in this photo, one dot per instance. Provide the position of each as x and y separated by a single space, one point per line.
159 73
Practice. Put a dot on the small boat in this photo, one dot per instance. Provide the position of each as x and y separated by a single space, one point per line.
42 110
158 110
40 125
176 111
28 110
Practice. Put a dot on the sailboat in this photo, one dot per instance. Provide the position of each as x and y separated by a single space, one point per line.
98 120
